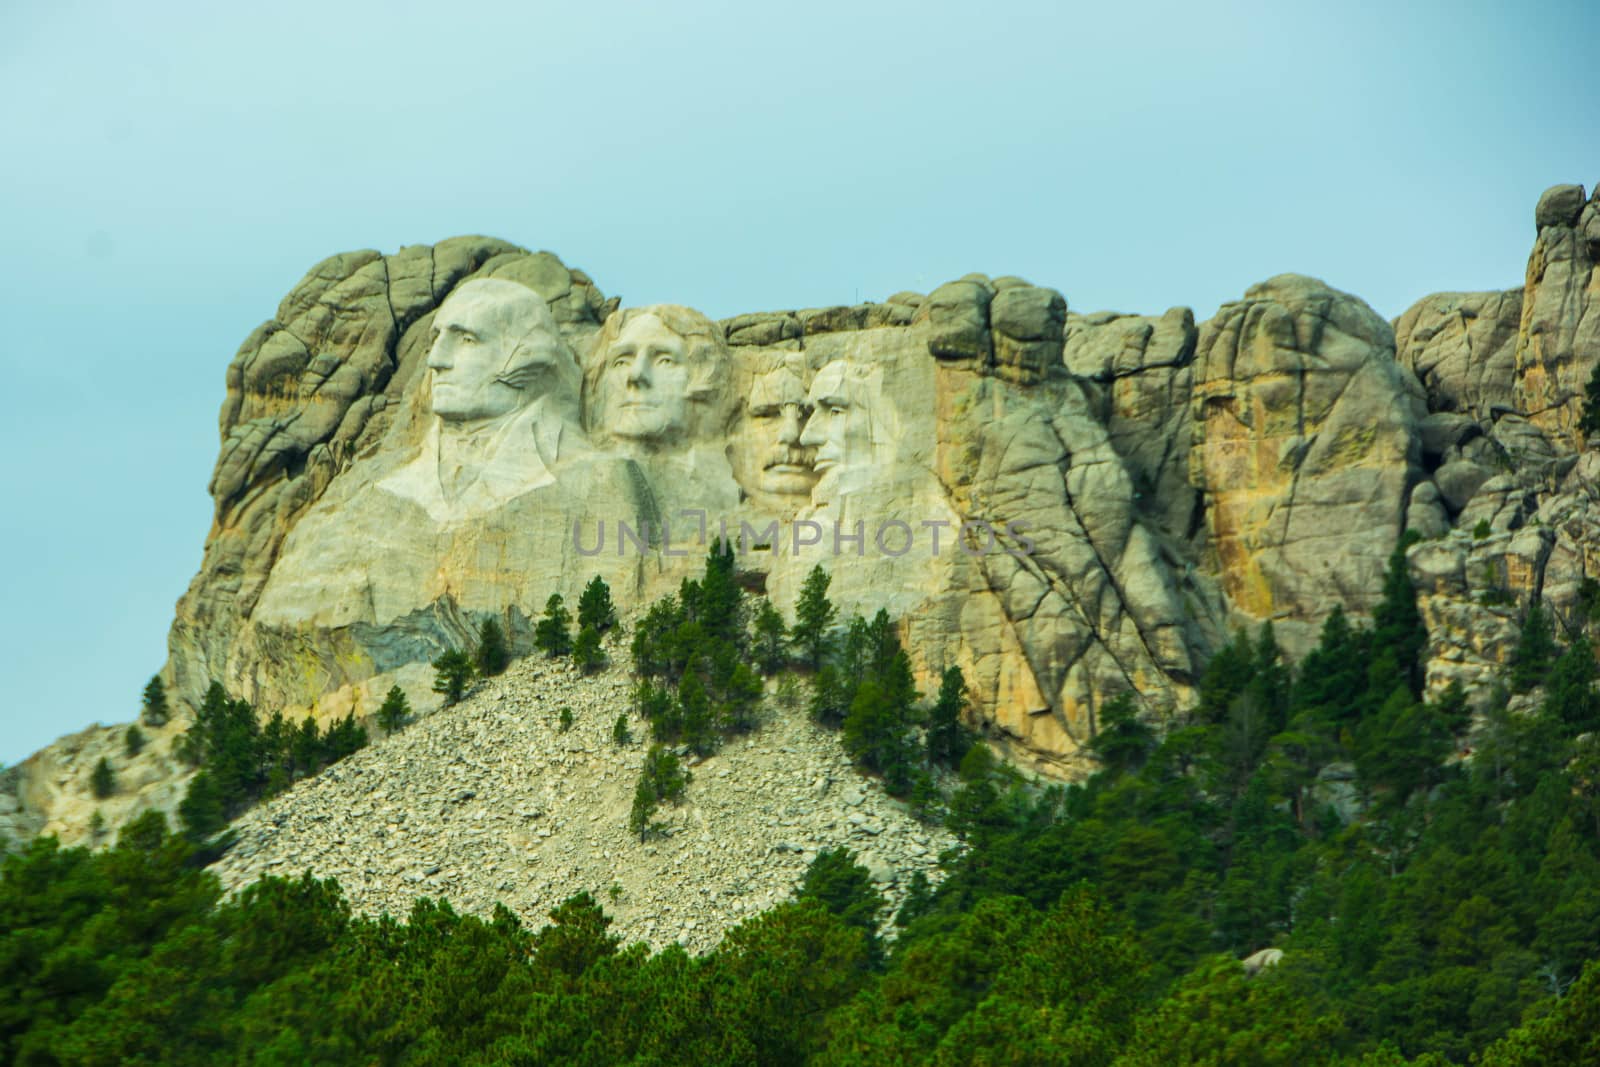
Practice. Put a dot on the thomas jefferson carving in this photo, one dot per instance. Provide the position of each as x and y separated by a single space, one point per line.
659 389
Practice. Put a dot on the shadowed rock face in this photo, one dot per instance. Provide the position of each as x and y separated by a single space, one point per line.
1560 329
1462 346
1305 446
1111 493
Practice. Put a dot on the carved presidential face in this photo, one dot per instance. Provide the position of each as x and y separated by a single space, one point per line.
646 381
492 339
770 456
841 424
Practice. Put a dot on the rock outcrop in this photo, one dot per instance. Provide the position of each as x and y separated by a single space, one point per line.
1306 446
332 383
52 791
1462 347
1558 342
1065 505
1508 510
947 461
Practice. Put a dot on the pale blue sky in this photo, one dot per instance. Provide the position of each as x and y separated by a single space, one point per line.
168 171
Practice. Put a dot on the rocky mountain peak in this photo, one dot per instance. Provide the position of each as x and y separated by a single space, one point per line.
1066 505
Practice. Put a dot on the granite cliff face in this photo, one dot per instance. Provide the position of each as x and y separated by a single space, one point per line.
936 451
1065 505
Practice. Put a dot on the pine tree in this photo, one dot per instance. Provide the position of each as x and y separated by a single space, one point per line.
1535 651
771 639
394 712
694 714
342 739
927 803
947 739
305 747
918 902
491 654
1589 422
277 746
1570 697
718 607
655 645
741 698
133 741
586 651
1397 624
1227 674
453 672
898 751
202 811
1272 676
662 778
553 633
644 806
226 740
103 781
840 884
657 707
595 607
814 614
831 694
1401 746
154 710
1333 675
1122 741
666 773
875 731
620 734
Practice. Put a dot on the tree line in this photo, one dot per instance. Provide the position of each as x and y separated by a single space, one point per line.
1429 867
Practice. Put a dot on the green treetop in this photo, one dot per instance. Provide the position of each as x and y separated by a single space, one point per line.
552 634
492 656
154 709
395 710
103 781
453 672
595 607
814 614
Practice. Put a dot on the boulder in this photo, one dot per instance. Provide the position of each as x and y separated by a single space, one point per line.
1458 480
1141 368
1559 205
1462 347
1306 445
1558 340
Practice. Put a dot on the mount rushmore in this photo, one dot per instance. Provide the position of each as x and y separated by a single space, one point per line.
1065 506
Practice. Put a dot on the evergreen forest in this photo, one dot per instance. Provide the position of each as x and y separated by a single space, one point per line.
1426 868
